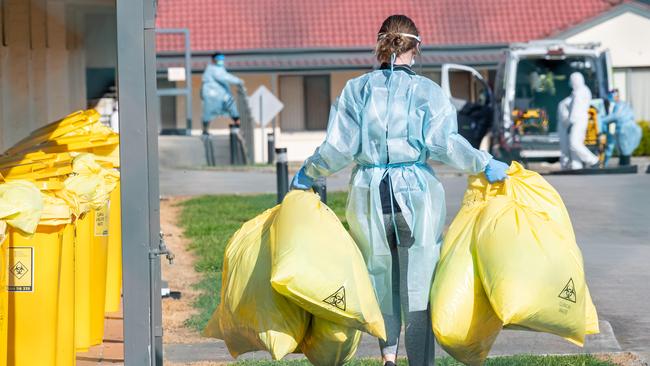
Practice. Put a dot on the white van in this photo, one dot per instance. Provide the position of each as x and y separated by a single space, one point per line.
518 120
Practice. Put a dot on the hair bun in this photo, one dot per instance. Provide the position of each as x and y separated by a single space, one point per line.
390 39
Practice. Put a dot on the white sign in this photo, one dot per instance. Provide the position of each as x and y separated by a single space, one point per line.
264 105
176 74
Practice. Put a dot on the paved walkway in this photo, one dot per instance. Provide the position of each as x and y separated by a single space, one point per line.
111 352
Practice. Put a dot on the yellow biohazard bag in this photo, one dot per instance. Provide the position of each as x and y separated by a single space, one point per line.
531 189
251 315
527 258
91 182
462 318
329 344
21 205
318 266
55 211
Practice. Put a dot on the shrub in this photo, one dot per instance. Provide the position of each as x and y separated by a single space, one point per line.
644 146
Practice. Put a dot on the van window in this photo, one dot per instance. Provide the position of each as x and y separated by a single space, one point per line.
542 83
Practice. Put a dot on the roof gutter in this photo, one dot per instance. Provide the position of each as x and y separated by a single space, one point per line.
313 50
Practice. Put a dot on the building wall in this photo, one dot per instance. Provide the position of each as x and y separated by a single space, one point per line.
630 56
292 117
251 82
338 81
43 63
621 36
39 76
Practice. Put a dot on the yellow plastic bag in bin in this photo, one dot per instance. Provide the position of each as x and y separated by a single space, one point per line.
317 265
55 211
462 318
91 182
21 205
329 344
251 315
529 263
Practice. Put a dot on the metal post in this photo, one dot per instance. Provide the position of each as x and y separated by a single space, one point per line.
282 172
270 138
320 187
187 90
188 82
136 74
261 130
234 145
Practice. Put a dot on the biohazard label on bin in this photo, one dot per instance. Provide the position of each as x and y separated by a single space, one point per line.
101 221
21 269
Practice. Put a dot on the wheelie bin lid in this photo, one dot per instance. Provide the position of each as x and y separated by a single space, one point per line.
68 124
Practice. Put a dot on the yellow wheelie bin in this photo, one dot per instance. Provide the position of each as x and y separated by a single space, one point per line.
82 283
34 241
92 183
4 311
65 345
91 245
67 125
114 258
65 350
98 258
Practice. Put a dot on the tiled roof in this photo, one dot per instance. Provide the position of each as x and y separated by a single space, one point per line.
233 25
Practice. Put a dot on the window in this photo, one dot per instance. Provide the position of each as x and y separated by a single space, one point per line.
317 101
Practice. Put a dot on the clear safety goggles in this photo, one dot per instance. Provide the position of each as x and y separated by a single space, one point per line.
408 35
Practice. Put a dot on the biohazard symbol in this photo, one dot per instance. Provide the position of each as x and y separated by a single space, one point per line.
19 270
337 299
569 292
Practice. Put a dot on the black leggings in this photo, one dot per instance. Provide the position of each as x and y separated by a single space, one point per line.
419 338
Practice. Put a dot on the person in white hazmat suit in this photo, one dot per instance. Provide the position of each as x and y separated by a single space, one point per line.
390 122
573 115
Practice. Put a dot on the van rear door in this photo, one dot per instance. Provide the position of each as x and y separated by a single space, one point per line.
472 97
606 78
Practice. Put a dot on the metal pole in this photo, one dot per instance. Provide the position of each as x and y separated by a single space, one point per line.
188 82
282 172
261 130
234 144
274 83
136 74
320 187
270 147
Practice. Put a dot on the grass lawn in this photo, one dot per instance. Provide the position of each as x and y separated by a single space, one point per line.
209 221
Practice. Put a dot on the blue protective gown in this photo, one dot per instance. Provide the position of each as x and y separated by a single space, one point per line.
628 132
216 94
392 122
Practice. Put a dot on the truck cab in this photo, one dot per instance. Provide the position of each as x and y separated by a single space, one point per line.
517 118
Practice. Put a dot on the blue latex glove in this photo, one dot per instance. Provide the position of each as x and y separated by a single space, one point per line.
302 181
495 171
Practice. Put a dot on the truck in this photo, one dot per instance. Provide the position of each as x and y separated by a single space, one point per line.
516 118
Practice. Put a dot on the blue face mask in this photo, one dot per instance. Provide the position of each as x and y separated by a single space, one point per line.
611 97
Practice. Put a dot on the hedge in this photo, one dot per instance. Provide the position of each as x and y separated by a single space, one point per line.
644 146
